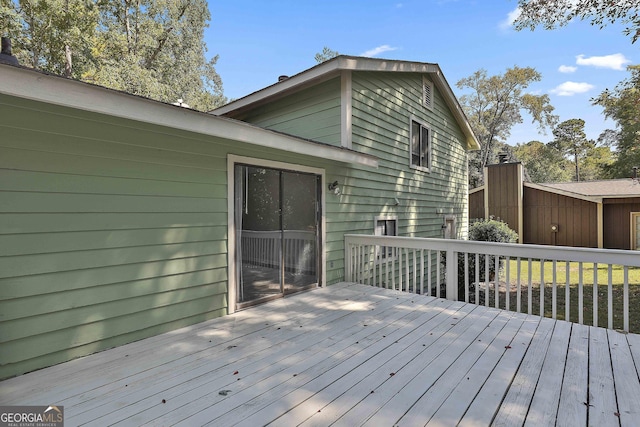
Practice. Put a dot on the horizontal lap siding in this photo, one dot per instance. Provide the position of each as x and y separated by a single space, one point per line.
110 231
312 113
382 106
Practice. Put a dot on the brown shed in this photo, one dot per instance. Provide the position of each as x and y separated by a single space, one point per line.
596 214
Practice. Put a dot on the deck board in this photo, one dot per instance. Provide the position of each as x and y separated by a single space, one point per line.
572 408
602 394
352 355
544 405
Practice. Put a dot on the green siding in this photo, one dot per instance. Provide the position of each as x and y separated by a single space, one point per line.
312 113
110 231
113 230
382 105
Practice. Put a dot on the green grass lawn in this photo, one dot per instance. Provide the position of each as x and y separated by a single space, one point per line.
617 280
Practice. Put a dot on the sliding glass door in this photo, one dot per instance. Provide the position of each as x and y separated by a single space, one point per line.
277 232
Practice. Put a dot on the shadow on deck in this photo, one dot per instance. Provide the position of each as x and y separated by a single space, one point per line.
353 355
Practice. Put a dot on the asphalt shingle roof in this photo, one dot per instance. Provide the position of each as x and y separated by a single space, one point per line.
606 188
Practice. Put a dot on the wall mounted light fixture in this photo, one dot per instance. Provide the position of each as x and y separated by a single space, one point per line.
334 188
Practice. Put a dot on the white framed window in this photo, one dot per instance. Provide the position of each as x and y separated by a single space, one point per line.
427 93
385 226
420 150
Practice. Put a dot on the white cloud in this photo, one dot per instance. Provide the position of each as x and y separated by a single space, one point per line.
510 19
571 88
378 50
614 62
567 69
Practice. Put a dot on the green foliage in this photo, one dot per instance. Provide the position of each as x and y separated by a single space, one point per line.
621 104
325 55
494 106
483 230
492 230
52 35
542 162
152 48
557 13
571 140
594 164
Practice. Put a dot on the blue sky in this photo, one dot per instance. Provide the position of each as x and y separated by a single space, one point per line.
258 40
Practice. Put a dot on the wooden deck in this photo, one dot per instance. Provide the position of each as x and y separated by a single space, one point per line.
353 355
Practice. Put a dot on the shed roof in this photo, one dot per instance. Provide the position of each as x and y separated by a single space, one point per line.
43 87
605 188
335 66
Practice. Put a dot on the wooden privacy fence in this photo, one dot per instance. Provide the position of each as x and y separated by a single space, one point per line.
263 249
578 284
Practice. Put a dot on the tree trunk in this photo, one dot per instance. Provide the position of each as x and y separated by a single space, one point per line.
127 25
68 63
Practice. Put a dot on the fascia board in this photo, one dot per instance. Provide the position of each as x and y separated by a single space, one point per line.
553 190
349 63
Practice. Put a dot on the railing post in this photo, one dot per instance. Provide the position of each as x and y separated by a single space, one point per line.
359 267
347 261
451 280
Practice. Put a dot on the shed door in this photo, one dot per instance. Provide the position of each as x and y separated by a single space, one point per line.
277 232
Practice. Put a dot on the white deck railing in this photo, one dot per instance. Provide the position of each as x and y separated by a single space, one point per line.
263 248
526 274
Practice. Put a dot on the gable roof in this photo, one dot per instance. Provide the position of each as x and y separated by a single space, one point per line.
43 87
333 68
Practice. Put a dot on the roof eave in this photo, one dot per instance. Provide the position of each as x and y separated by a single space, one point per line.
34 85
351 63
561 192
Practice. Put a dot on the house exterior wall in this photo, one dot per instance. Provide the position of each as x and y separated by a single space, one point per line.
110 230
114 230
381 110
383 105
312 113
617 221
577 219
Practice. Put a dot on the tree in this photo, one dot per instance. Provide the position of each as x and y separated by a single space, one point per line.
325 55
494 106
622 105
595 162
152 48
542 162
570 140
54 35
556 13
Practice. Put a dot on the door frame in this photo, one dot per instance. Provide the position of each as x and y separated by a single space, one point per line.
232 160
634 230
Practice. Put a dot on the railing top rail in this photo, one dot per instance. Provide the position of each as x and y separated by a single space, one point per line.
559 253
